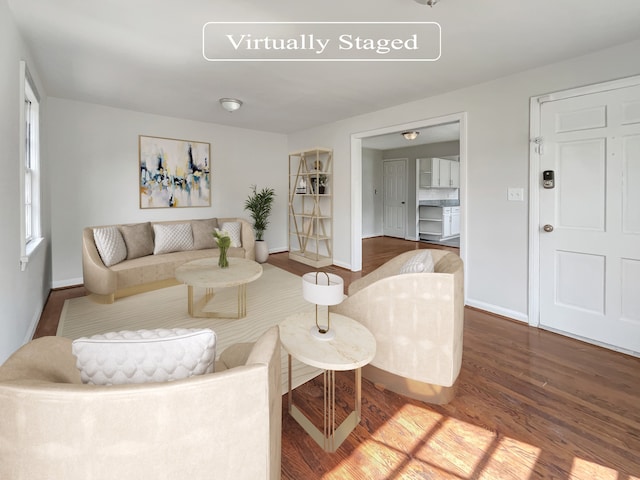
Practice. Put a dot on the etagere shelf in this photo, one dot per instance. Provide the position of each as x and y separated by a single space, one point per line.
311 207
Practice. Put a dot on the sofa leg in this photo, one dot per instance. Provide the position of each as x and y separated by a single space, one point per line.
425 392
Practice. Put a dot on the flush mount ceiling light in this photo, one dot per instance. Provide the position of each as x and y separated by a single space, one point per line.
411 135
230 104
431 3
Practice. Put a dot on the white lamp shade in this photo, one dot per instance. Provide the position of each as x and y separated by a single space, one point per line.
322 290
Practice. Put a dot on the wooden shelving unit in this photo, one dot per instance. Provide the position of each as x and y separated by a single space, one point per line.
311 207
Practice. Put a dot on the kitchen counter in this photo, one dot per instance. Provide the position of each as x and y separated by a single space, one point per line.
439 203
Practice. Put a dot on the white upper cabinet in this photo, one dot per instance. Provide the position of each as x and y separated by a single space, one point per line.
438 173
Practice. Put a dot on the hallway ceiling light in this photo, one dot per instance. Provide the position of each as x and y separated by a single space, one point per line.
230 104
411 135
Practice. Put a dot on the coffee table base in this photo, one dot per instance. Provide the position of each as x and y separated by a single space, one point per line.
197 309
330 438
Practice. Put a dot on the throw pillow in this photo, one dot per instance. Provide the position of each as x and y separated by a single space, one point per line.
138 238
172 237
234 229
203 233
110 245
421 262
145 356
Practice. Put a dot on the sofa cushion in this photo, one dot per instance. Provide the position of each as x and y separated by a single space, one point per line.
421 262
110 245
145 356
236 354
173 237
203 233
234 229
158 268
138 238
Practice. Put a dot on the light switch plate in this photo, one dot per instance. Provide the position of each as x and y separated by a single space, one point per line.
515 194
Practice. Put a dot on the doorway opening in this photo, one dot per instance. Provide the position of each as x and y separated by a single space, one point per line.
444 137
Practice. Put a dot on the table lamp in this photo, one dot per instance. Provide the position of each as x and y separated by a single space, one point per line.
322 288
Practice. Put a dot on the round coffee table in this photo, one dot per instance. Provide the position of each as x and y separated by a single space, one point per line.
205 273
352 348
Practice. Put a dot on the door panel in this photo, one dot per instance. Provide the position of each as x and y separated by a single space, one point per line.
631 184
395 197
590 258
581 164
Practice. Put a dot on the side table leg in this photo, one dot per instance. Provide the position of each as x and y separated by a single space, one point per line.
242 300
329 410
190 300
289 378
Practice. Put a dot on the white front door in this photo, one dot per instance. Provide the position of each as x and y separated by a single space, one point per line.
395 197
590 221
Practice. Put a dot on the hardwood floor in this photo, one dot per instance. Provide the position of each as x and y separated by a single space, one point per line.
529 404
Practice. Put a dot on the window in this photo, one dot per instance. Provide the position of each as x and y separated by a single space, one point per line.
30 167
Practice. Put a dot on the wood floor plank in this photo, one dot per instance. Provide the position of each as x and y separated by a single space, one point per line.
530 404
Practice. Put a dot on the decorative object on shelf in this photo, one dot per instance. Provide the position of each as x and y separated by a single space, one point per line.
224 241
411 135
322 288
322 184
174 173
259 204
230 104
302 186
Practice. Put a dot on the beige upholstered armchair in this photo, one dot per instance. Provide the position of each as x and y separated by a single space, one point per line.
417 320
223 425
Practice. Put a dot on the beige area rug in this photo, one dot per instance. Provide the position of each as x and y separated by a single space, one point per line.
270 299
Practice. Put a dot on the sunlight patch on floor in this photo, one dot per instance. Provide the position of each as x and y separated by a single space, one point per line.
582 469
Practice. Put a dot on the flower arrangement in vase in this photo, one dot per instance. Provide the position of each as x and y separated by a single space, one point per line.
224 242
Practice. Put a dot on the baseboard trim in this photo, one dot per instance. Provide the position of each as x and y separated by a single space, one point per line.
342 264
31 331
503 312
70 282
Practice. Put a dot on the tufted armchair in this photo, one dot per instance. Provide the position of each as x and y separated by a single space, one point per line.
223 425
417 320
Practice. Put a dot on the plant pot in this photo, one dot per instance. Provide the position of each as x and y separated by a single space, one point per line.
262 251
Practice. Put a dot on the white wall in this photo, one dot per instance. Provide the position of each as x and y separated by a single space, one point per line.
22 294
371 192
95 181
498 155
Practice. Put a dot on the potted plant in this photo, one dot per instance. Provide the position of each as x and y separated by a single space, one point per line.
259 203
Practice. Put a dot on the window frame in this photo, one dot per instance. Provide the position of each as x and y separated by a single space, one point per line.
30 219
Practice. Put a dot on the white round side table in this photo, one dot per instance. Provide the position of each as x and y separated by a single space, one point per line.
352 347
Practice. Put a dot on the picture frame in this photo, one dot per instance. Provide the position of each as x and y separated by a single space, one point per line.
173 173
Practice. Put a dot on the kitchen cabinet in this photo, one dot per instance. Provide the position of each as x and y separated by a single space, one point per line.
438 223
438 173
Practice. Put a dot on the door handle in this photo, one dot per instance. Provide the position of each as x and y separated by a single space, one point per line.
402 203
548 228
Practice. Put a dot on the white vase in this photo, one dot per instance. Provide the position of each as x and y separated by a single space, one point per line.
262 251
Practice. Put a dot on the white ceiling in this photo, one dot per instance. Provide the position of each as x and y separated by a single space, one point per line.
446 132
146 55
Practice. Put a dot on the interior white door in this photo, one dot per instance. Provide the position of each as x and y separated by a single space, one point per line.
395 197
590 220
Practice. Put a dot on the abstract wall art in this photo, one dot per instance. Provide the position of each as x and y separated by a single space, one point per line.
174 173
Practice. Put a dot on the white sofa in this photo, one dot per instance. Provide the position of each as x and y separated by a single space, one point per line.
149 272
223 425
417 320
